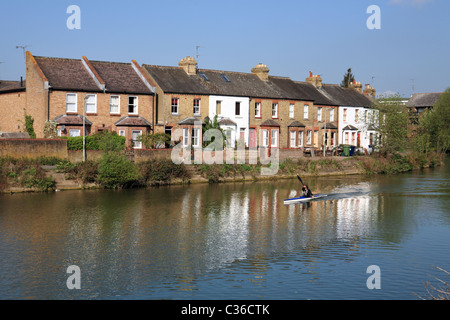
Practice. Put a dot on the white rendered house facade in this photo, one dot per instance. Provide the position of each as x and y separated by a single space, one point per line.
356 126
233 115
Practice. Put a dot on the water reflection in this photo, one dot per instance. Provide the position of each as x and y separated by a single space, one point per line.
162 243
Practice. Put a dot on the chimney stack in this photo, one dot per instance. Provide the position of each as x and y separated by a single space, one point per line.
369 90
262 71
189 65
356 85
316 80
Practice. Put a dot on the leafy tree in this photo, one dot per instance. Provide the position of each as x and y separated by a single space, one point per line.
348 78
212 124
433 133
390 120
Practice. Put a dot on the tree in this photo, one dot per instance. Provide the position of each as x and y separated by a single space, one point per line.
212 124
348 78
390 120
433 133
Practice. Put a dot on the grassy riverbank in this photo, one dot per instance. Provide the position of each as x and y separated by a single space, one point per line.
115 171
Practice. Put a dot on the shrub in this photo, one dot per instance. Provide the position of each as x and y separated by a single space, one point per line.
34 177
116 171
107 141
156 171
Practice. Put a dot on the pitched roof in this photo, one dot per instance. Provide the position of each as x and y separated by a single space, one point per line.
191 121
66 74
133 122
312 93
175 80
345 96
270 123
329 125
72 120
297 124
424 99
350 127
227 122
217 82
120 77
11 86
74 75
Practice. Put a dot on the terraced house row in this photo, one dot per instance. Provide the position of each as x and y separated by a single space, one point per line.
254 108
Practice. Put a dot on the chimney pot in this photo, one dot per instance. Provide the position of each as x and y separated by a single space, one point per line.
189 65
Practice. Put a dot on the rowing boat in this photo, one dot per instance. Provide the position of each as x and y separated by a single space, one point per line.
304 199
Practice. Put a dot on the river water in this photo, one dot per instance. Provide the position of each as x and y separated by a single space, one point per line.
231 241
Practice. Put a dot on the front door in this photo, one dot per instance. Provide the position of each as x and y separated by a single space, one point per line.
252 138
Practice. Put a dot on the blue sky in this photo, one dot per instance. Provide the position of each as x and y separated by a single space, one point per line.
291 37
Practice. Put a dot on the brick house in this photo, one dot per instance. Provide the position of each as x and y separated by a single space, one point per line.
115 97
13 101
251 107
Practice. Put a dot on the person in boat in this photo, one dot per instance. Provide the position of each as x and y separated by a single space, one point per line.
306 192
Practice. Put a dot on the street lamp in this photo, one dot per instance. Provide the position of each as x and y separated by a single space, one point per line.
84 129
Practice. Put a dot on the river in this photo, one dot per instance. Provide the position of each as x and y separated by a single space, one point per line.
230 241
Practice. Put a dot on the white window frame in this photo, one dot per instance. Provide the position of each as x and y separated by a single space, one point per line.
346 137
75 104
293 139
332 115
308 137
196 108
357 115
306 111
196 137
257 109
344 115
186 137
122 133
118 105
274 110
300 139
135 105
291 110
176 105
136 144
319 114
71 131
274 138
265 137
91 103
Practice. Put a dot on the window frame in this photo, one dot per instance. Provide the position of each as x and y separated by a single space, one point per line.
135 105
196 107
275 108
306 112
95 103
72 103
258 109
110 104
175 105
237 107
291 111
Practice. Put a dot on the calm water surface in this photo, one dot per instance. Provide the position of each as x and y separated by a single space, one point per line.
230 241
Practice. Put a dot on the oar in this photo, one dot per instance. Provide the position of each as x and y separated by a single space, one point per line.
300 180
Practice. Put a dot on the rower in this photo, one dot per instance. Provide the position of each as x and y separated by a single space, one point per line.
306 191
